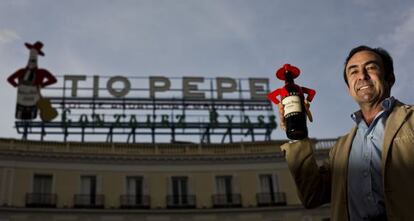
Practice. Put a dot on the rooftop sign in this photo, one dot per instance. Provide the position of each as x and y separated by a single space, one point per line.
77 106
129 109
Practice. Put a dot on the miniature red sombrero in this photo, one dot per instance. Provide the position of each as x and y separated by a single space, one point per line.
294 71
37 46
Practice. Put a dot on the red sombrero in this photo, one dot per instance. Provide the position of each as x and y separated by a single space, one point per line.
37 46
287 68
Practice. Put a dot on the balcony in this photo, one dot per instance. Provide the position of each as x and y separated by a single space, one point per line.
269 199
135 201
226 200
181 201
89 201
41 200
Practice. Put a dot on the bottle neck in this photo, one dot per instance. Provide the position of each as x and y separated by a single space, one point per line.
288 78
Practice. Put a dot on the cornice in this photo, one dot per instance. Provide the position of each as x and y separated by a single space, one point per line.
177 154
139 159
288 208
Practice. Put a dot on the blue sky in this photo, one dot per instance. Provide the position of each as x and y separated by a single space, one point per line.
229 38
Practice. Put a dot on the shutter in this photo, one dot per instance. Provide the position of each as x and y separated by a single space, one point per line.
125 184
99 184
47 186
190 185
184 186
85 185
145 181
220 185
264 183
275 182
36 184
169 185
131 186
235 184
139 186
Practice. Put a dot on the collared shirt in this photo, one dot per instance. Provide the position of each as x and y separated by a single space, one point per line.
365 188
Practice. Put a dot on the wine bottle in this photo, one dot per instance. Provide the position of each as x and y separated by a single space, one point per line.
294 110
293 101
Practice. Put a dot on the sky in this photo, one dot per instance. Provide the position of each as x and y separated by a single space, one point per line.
215 38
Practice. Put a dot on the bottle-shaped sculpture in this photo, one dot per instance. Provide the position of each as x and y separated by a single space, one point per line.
293 101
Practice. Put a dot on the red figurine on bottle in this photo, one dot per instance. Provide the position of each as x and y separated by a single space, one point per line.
295 107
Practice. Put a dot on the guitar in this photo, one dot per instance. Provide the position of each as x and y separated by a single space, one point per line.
47 112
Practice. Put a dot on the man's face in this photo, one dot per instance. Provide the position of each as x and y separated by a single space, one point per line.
366 81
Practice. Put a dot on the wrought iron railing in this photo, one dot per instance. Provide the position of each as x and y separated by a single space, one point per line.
181 201
89 201
135 201
41 200
227 200
271 199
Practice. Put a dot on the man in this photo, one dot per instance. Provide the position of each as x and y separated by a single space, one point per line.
368 175
29 81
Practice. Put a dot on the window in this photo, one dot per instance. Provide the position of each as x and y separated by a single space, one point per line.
224 185
269 194
42 184
135 193
267 184
179 190
41 195
226 194
88 185
88 197
134 187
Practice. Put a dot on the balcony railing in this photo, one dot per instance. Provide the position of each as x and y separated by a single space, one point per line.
135 201
269 199
227 200
89 201
181 201
41 200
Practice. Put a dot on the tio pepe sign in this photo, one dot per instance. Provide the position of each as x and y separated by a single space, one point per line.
190 86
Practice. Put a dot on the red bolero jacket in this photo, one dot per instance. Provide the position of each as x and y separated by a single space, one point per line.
282 92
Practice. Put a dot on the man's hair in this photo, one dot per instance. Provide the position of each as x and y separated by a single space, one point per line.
386 61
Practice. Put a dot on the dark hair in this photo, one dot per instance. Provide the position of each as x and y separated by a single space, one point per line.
386 61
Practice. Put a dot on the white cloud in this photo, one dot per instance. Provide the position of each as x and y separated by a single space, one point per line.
7 35
400 43
402 37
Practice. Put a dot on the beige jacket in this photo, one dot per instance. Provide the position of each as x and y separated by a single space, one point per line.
327 183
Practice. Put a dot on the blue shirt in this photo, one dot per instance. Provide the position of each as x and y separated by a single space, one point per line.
365 187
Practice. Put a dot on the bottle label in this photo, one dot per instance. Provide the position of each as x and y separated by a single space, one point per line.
27 95
291 105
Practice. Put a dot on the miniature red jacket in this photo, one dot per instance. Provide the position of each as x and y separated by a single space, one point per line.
282 92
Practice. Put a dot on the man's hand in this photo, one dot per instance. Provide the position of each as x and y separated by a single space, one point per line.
308 112
282 114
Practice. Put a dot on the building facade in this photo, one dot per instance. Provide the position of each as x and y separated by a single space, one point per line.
149 182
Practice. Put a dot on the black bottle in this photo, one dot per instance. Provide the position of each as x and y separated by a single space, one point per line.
294 110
